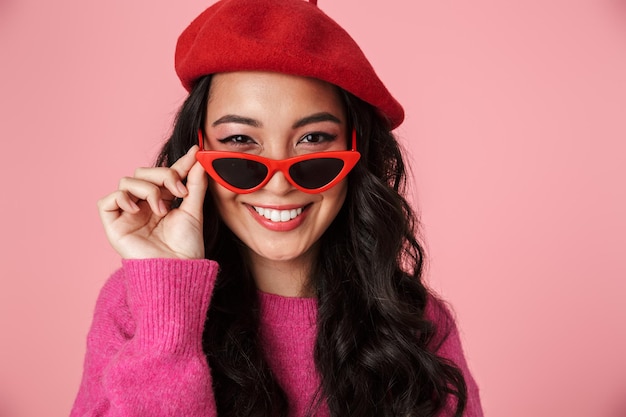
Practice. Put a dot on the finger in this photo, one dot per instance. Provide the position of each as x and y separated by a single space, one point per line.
164 177
109 207
197 183
144 190
184 164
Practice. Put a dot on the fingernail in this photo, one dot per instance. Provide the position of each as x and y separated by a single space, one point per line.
134 205
181 187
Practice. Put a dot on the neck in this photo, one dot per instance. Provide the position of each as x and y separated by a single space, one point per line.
288 278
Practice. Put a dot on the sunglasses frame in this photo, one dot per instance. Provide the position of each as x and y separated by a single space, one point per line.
206 158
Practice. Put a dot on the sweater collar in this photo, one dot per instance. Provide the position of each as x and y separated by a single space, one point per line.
288 311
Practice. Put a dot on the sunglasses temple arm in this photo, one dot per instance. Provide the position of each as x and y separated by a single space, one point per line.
200 139
354 139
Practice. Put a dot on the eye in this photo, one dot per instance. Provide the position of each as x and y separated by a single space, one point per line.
317 137
237 140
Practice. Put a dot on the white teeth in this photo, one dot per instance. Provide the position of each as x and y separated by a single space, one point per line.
278 215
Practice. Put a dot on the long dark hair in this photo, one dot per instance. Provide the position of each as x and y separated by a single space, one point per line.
373 353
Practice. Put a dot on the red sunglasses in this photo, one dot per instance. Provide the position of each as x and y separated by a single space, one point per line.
245 173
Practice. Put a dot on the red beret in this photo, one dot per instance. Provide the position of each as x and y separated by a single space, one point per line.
286 36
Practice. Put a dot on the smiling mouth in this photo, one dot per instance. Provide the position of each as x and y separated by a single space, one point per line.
278 215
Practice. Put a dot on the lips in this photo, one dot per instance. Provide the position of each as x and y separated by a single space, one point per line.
280 219
278 215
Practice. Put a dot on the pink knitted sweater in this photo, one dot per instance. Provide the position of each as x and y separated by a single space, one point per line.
144 350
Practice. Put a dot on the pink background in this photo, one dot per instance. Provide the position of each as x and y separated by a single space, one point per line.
516 123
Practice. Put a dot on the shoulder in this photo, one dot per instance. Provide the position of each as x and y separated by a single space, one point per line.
438 310
440 314
446 343
446 340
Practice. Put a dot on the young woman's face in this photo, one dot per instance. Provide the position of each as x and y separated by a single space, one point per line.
276 116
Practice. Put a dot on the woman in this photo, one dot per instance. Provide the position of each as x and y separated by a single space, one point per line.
288 281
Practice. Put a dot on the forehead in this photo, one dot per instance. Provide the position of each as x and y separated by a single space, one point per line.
255 90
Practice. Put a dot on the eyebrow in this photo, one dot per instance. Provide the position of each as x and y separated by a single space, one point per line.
233 118
314 118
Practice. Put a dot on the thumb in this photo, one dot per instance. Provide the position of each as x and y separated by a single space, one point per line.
197 183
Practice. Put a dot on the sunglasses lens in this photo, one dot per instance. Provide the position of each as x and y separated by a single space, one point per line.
240 173
315 173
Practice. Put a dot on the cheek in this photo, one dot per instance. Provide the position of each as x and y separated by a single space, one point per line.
222 198
336 198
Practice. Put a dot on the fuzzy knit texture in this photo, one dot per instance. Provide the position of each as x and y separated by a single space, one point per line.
144 350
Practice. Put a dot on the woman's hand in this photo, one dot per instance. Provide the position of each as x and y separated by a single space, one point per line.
138 218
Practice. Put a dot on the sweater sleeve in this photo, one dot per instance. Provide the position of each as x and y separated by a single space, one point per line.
144 349
447 344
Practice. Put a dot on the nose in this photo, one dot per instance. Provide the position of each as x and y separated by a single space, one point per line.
278 184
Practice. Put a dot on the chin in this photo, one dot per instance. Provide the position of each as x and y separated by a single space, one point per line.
285 252
281 256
